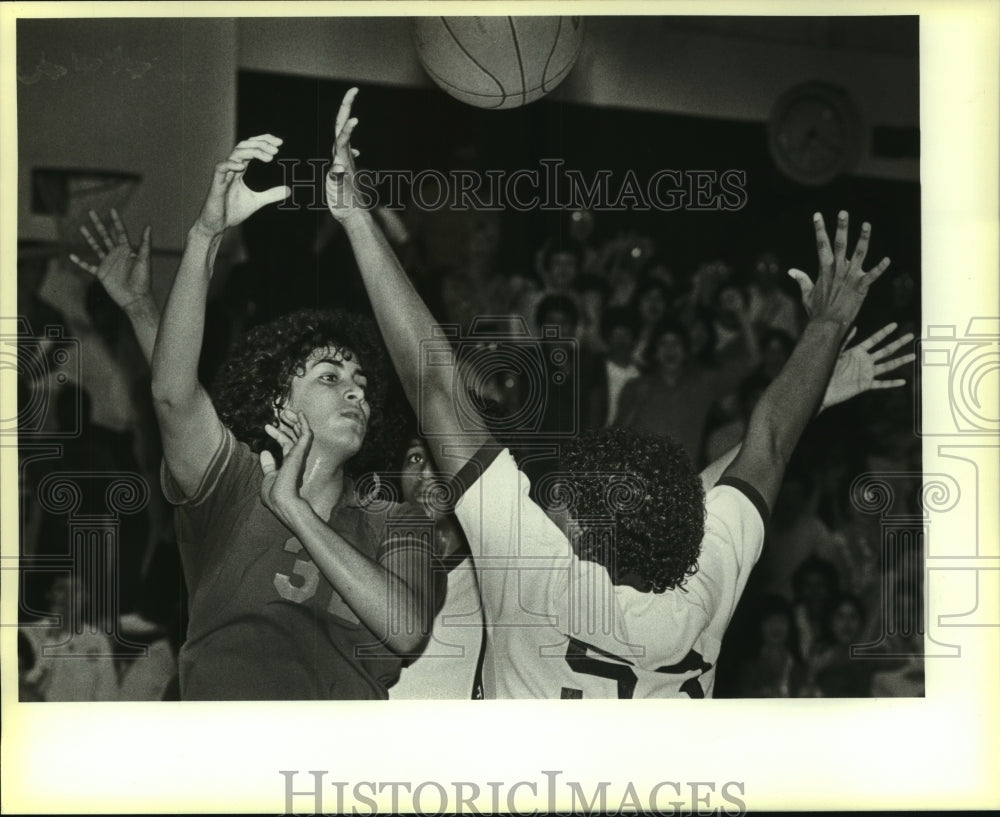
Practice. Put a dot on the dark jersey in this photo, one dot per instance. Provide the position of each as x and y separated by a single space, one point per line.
264 624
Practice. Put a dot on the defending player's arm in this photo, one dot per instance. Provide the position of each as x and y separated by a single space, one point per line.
393 596
855 372
124 273
792 399
189 426
403 318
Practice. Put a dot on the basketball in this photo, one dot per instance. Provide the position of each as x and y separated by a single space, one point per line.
498 62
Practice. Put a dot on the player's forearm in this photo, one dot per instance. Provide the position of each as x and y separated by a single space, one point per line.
178 341
403 318
396 613
792 399
144 316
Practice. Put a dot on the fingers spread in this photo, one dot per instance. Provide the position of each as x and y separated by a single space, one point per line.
888 384
840 237
894 346
876 338
889 365
876 273
91 268
823 249
121 234
101 231
92 242
861 248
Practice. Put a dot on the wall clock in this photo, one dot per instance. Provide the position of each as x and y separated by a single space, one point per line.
815 133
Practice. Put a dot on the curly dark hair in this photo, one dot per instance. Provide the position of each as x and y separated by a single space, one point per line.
259 372
647 485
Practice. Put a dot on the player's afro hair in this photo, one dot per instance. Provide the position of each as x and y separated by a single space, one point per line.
260 370
647 485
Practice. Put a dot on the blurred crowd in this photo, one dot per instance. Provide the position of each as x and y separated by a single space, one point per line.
596 329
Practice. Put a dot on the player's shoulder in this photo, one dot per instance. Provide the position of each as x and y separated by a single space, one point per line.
492 459
736 500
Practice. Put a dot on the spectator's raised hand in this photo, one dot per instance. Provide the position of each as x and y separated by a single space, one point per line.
230 201
122 269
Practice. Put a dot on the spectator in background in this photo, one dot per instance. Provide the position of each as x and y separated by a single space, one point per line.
775 348
650 305
816 585
735 336
475 288
771 307
593 294
677 393
558 267
73 656
833 672
730 431
795 534
776 669
618 333
581 229
570 371
95 450
28 691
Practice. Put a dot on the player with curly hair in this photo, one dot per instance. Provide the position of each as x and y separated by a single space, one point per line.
624 585
298 588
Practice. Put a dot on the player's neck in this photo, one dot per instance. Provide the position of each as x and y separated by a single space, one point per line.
322 481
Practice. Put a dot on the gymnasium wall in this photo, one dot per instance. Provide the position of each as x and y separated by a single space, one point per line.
721 68
154 97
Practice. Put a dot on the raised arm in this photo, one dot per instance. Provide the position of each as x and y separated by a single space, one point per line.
794 396
189 426
856 371
123 271
403 318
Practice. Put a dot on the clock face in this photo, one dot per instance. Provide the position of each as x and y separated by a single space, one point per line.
814 133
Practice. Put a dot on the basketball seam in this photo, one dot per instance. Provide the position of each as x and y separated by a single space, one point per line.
442 81
520 64
478 64
552 51
460 89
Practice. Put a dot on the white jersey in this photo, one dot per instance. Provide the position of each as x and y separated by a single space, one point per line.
447 667
557 627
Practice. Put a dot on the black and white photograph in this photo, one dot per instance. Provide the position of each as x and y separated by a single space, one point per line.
374 371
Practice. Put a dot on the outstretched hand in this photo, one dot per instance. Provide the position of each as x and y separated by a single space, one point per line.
842 284
279 490
857 369
342 196
230 201
122 269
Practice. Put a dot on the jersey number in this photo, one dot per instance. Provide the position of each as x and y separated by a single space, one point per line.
579 661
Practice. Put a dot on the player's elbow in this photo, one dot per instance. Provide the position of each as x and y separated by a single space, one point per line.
411 641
